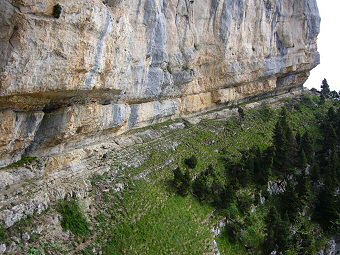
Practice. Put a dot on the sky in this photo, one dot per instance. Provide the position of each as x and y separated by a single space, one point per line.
328 46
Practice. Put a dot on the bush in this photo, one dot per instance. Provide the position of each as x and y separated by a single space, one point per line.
57 11
266 113
34 251
182 181
210 187
241 112
73 218
23 161
191 162
3 234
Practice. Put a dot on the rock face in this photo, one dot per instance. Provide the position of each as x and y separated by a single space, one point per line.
108 66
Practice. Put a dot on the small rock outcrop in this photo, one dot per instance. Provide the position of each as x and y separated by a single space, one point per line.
71 69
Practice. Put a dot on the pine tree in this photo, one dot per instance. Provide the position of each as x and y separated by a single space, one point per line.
325 88
285 145
337 125
278 232
191 162
272 221
302 160
307 146
331 115
283 234
280 146
290 202
263 163
333 94
182 181
327 211
315 173
304 187
298 139
330 140
331 171
322 99
292 149
268 158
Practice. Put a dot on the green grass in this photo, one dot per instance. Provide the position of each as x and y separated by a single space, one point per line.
155 223
22 162
3 233
147 218
35 251
73 218
227 247
150 220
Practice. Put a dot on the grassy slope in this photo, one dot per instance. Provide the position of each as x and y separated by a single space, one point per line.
147 218
156 221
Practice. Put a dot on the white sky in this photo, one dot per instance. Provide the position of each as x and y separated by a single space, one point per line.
328 46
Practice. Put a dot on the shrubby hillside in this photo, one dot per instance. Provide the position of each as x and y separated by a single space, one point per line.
264 180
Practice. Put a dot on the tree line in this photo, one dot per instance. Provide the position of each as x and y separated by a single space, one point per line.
304 168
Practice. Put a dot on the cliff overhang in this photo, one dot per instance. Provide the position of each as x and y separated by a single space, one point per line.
105 67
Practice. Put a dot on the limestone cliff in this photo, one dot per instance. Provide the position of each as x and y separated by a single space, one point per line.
73 69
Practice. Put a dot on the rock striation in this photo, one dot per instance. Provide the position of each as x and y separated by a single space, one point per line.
73 69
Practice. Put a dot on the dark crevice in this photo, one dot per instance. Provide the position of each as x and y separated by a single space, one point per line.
50 101
15 29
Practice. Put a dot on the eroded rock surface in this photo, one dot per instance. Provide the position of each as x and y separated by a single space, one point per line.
109 66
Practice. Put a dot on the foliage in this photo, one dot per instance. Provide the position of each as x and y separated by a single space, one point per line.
241 113
3 233
23 161
73 218
210 187
266 113
35 251
87 251
57 9
191 162
287 161
325 91
327 211
333 94
157 224
285 146
182 181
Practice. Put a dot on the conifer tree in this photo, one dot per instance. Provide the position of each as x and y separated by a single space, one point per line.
307 146
322 99
290 202
292 150
302 160
272 221
329 141
331 171
304 187
315 172
325 88
331 115
285 145
280 146
278 232
337 125
283 233
182 181
262 166
327 210
298 139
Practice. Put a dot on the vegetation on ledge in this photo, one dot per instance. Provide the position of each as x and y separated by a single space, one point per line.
263 181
